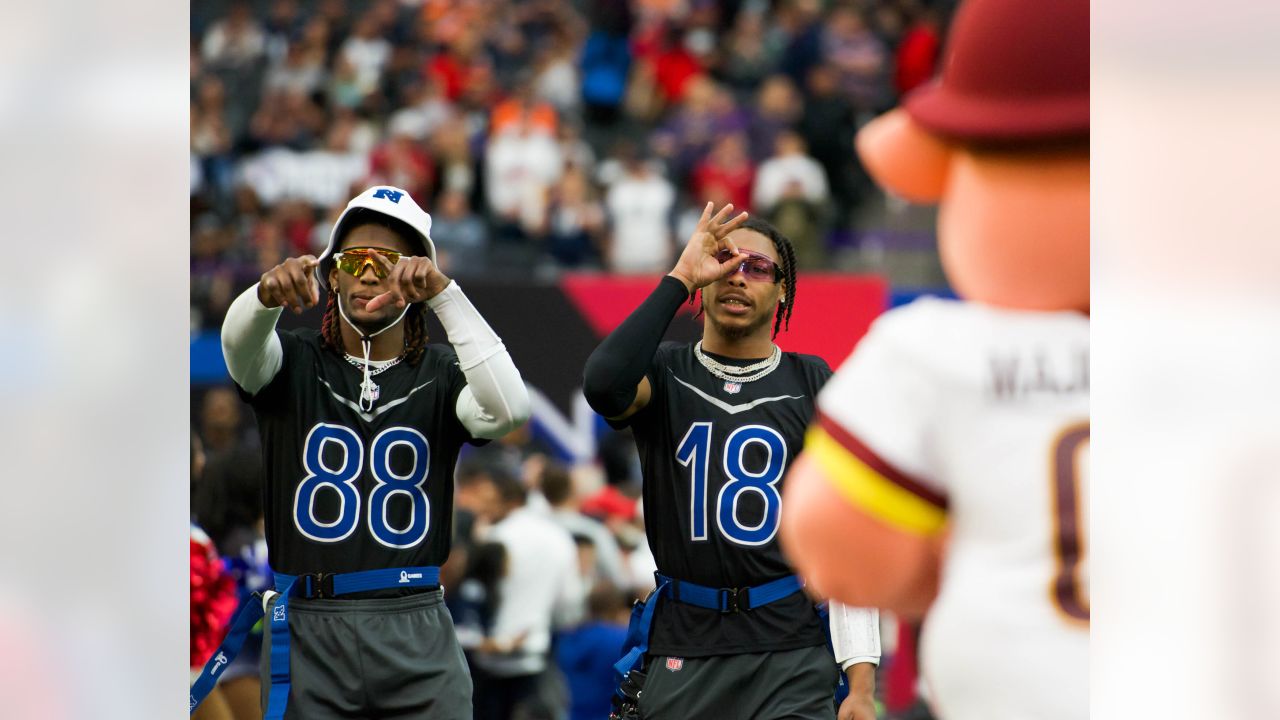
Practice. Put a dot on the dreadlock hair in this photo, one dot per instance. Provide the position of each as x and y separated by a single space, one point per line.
787 254
415 321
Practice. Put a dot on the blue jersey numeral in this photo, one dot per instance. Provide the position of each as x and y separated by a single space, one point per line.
389 484
694 452
321 477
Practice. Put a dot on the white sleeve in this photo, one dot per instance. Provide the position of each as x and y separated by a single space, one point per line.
495 400
855 634
249 341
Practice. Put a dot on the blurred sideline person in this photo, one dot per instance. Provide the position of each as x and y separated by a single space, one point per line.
540 591
361 423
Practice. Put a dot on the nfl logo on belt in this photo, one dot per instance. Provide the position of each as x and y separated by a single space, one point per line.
674 664
732 387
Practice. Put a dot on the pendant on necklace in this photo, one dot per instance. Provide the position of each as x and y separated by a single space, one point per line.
732 387
369 392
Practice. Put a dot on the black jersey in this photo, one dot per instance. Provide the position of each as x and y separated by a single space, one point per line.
349 490
713 456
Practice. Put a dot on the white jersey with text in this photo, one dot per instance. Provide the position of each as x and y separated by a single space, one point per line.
973 421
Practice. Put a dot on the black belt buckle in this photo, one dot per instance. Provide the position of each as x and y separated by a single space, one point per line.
734 600
319 585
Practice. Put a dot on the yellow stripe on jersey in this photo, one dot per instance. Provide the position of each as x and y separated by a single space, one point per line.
870 491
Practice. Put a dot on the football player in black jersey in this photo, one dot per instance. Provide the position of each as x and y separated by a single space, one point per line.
717 423
361 424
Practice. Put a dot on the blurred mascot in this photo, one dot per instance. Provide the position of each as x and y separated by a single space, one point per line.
946 475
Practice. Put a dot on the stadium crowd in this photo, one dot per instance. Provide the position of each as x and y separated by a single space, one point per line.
538 134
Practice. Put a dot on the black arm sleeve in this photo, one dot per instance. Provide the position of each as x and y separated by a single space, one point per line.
616 367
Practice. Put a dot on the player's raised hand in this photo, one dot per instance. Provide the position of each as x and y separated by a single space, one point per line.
410 280
698 266
290 284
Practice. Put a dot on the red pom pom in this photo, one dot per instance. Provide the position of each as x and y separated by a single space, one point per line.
213 599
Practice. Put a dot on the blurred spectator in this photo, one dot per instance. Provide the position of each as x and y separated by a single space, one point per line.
334 14
556 78
403 162
367 52
301 70
211 138
523 110
452 66
859 57
521 164
606 62
801 23
350 133
575 221
542 573
587 653
577 152
297 220
827 126
749 54
425 110
916 58
789 173
226 500
778 107
345 88
707 112
478 597
727 173
673 64
791 192
283 21
288 118
557 486
452 151
236 41
460 237
220 428
639 205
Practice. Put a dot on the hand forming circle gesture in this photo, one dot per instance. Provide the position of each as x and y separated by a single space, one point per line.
698 266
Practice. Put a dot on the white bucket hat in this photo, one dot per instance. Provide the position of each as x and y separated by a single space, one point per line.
387 200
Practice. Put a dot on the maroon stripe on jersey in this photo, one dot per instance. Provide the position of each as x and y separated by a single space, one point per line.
1065 587
876 463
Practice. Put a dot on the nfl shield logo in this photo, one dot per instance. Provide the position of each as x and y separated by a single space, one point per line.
674 664
732 387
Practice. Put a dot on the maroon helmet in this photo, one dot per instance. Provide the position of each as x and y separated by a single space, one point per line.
1014 71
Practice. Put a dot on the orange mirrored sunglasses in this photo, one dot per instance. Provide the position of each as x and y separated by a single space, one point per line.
354 260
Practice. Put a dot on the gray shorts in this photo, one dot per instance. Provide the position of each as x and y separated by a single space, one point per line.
392 658
792 684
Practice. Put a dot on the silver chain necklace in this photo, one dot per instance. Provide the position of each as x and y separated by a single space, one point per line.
733 375
370 391
359 364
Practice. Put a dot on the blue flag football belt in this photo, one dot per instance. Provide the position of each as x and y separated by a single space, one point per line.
314 585
725 600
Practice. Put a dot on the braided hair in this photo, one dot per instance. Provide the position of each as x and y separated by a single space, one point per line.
787 255
415 320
